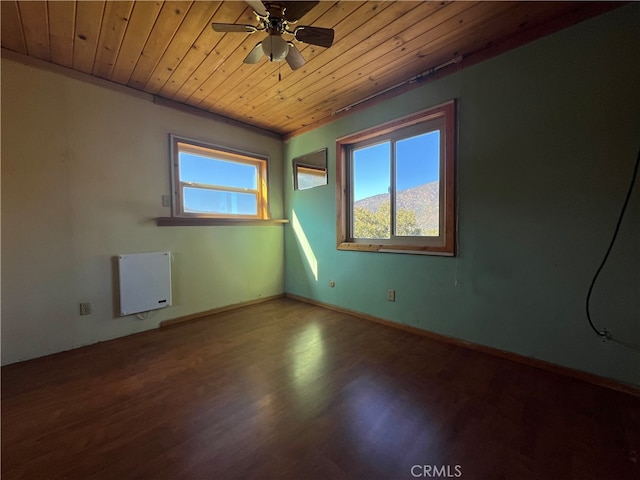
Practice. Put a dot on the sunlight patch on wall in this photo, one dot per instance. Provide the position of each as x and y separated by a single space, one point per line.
304 245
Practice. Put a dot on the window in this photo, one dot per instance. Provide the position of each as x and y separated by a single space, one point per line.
395 185
213 182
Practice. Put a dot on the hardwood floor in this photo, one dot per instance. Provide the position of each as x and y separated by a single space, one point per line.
289 390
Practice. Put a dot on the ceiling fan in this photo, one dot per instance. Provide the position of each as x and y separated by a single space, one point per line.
278 18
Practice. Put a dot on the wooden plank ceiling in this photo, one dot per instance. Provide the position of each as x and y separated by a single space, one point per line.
169 49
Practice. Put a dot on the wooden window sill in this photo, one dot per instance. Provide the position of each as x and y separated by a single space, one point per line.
210 222
391 248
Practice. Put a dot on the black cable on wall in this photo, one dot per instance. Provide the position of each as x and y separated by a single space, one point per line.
604 333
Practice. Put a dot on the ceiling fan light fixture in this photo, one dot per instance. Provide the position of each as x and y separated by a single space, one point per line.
275 48
275 19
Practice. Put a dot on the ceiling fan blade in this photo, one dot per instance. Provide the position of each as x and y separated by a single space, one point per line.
233 27
257 7
294 11
322 37
255 54
294 57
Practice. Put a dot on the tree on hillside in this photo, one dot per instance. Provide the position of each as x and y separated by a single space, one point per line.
368 224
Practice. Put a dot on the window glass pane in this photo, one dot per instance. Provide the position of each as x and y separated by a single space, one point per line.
371 182
213 171
200 200
417 185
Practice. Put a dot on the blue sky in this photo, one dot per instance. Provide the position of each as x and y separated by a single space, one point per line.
217 172
198 169
416 164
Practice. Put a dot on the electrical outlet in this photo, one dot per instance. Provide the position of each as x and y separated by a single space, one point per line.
85 308
391 295
166 200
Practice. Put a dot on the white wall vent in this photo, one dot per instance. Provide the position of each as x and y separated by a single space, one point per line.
145 282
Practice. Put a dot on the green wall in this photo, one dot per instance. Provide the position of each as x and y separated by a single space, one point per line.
547 138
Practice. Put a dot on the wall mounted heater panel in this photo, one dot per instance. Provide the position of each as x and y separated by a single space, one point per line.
145 282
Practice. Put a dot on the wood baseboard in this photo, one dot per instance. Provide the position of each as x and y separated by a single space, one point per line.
195 316
532 362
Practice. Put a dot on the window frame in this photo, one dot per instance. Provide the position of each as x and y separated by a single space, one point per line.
223 153
445 244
